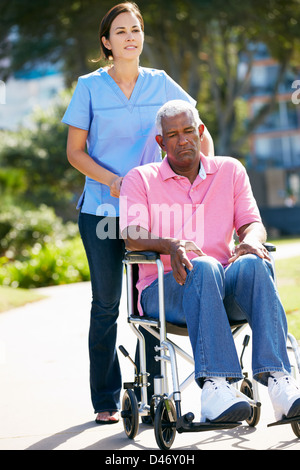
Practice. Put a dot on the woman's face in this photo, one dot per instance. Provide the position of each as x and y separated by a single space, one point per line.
126 37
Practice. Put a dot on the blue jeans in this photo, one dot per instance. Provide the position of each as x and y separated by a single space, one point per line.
106 270
213 295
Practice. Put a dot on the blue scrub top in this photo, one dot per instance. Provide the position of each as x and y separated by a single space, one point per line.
121 131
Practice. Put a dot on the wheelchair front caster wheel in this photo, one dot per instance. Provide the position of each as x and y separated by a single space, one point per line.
246 389
165 424
130 414
296 428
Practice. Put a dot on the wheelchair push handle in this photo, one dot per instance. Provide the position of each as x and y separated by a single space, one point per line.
269 246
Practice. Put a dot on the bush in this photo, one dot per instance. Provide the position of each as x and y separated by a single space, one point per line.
57 263
34 165
22 228
37 249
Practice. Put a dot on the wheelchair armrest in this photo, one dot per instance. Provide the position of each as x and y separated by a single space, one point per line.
141 256
136 257
269 246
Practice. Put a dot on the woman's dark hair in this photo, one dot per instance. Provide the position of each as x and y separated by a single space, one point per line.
127 7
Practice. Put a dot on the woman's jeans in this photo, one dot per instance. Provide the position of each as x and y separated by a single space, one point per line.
210 296
105 262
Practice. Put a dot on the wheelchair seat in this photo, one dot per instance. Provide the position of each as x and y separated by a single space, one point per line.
135 258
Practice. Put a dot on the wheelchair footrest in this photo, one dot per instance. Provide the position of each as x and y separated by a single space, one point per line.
285 420
182 425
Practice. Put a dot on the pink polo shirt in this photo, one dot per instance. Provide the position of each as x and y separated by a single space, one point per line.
207 211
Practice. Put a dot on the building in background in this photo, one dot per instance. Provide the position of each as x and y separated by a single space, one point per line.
26 91
274 161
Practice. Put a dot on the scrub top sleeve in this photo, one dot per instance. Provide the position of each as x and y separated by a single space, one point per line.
78 113
175 92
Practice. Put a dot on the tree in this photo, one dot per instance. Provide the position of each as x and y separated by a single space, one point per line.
198 42
60 32
201 43
34 168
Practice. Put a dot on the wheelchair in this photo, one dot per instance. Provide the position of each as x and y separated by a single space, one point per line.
164 408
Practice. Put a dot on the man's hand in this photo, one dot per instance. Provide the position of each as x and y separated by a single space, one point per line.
254 247
177 249
180 260
251 237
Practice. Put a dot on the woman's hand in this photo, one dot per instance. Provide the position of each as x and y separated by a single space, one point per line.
115 186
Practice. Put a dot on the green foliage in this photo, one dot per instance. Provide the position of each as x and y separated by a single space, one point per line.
37 184
38 249
21 229
46 265
288 274
288 281
33 161
12 180
199 43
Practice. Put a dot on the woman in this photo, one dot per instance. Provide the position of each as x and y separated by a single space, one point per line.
111 120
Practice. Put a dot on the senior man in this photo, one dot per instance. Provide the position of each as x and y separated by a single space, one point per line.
187 208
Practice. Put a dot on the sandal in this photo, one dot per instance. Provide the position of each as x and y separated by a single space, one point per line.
108 417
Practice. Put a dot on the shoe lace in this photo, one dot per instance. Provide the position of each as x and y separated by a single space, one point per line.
285 382
224 389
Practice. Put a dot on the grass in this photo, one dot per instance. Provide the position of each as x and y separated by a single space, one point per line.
288 282
285 240
12 298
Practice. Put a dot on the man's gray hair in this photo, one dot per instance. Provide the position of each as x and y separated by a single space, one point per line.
174 107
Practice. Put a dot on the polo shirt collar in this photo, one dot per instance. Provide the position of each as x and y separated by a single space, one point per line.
208 166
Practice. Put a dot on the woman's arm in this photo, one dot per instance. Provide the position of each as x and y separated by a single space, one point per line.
80 160
207 145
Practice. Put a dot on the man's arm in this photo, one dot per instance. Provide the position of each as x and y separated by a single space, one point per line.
139 239
251 238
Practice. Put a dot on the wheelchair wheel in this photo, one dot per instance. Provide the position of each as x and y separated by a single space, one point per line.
246 389
130 414
165 424
155 400
296 428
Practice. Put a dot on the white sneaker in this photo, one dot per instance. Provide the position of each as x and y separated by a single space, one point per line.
219 403
284 393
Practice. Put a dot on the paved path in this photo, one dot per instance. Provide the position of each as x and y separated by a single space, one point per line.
288 250
44 390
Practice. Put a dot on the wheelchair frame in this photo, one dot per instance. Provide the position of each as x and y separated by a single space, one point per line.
168 419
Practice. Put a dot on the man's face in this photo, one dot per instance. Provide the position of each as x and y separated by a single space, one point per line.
181 142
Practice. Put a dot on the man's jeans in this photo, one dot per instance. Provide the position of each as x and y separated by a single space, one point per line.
211 295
